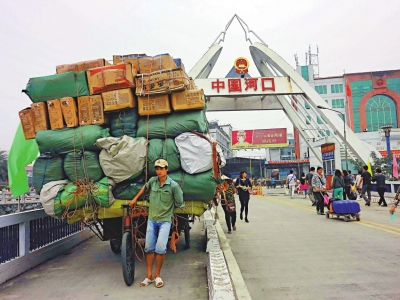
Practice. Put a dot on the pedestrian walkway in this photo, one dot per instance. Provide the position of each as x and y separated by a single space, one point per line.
92 271
287 251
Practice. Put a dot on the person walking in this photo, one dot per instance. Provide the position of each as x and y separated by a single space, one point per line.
165 195
338 185
347 185
303 185
319 186
358 179
309 177
228 204
291 181
365 184
380 179
243 187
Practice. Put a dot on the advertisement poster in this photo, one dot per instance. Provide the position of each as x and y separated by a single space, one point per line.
259 138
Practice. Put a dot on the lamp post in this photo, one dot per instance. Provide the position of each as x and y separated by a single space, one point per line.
344 131
387 129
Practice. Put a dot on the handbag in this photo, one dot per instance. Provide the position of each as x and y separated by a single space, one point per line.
230 207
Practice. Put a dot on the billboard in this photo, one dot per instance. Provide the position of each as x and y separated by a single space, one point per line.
259 138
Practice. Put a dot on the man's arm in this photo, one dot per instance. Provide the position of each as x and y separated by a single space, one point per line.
178 196
135 199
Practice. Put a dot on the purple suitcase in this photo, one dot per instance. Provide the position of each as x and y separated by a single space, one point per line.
346 207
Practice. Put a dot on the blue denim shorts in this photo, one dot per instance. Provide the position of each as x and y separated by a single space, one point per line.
157 237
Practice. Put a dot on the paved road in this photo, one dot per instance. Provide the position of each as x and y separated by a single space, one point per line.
92 271
287 251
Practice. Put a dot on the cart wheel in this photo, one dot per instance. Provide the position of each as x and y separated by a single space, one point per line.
186 231
128 258
327 216
115 246
358 217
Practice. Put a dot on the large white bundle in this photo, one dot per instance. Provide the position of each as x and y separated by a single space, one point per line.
122 158
195 152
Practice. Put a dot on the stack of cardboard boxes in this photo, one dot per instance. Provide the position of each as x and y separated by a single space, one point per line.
90 92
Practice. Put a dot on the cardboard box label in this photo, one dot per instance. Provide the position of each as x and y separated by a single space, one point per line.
28 123
118 99
110 78
84 110
55 114
154 105
82 66
40 114
69 111
161 82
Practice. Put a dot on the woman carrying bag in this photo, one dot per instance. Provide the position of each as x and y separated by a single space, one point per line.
228 204
338 185
243 186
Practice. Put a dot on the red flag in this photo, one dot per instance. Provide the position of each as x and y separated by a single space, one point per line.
348 90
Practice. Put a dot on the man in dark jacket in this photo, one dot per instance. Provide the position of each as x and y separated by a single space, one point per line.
379 178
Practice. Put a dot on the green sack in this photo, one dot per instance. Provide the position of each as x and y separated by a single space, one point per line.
51 200
165 149
127 190
47 169
83 164
65 140
45 88
102 192
173 124
72 197
197 187
124 122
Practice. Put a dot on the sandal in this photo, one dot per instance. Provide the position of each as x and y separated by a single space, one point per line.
146 282
159 282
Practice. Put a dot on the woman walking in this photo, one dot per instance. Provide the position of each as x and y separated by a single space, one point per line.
338 185
228 203
243 186
303 185
347 185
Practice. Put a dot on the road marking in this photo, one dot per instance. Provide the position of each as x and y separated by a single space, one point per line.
370 224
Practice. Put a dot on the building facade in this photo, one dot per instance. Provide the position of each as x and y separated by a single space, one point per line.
222 134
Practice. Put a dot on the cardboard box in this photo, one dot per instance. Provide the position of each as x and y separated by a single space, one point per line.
82 66
179 64
40 114
110 78
188 99
91 110
149 64
192 84
118 99
55 114
28 123
128 58
154 105
69 111
161 82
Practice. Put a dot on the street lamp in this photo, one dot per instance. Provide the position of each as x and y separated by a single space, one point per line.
344 131
386 129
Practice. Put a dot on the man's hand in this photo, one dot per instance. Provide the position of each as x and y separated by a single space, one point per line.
133 202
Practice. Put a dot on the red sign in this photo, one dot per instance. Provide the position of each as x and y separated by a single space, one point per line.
393 152
327 148
235 84
259 138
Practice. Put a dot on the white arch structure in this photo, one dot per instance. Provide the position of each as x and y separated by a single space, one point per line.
290 94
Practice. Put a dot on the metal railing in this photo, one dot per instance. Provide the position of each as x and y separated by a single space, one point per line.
25 232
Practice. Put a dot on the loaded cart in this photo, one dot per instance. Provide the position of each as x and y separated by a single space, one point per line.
348 209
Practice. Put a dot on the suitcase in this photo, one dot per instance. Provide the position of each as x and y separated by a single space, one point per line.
346 207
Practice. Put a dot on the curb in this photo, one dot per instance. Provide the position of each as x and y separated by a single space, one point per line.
225 280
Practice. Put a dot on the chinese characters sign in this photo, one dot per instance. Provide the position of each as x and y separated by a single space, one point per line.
328 151
243 84
259 138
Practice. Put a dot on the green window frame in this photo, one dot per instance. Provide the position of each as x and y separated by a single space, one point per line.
304 73
321 89
336 88
338 103
306 105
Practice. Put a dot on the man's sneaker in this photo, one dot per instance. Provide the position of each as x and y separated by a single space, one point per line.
322 214
318 213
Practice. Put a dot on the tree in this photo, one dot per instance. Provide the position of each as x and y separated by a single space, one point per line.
3 166
376 162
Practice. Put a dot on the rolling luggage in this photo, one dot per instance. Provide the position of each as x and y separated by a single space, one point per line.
346 207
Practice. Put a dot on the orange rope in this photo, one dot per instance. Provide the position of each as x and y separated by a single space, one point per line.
175 237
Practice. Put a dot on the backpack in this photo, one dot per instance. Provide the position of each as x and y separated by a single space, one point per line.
353 195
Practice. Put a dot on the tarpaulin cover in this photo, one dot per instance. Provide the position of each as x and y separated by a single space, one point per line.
173 124
197 187
69 84
195 153
122 158
48 196
127 190
69 139
124 122
47 169
83 164
102 193
165 149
